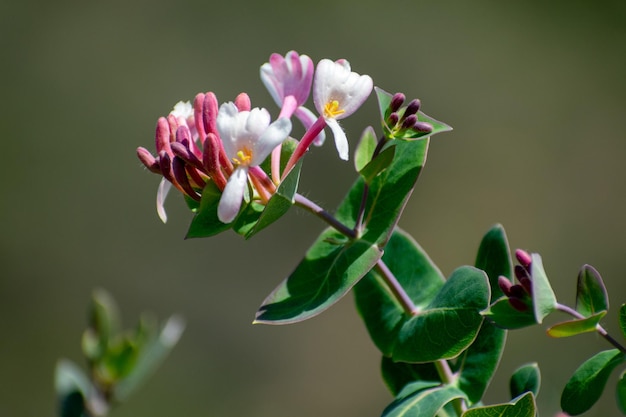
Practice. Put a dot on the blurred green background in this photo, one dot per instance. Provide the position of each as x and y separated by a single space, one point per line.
536 95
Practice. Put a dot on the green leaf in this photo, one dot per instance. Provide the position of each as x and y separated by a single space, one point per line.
150 358
591 295
479 362
72 388
586 385
523 406
399 374
365 148
544 300
327 272
415 272
205 222
574 327
622 319
104 323
449 324
378 164
388 193
494 257
421 399
279 203
526 378
503 315
621 393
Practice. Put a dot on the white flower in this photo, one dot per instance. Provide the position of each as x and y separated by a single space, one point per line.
337 93
248 138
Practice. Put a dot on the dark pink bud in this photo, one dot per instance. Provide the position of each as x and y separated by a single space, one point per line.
423 127
505 285
209 113
182 151
178 167
412 108
517 291
409 122
396 102
162 137
393 119
165 163
198 103
520 272
527 284
211 159
242 101
148 160
523 258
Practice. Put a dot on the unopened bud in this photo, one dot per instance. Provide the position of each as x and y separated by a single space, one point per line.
423 127
413 107
527 284
242 101
520 272
523 258
148 160
517 291
393 119
505 285
198 103
396 102
209 113
409 121
518 304
178 166
162 136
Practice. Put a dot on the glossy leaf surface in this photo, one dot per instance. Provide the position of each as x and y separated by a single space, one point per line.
503 315
521 407
574 327
365 148
544 300
494 257
397 375
586 385
449 324
591 295
420 399
622 319
526 378
327 272
620 392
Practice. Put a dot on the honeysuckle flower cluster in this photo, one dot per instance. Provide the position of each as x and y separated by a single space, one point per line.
519 295
202 142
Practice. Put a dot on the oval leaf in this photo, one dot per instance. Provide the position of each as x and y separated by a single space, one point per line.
397 375
415 401
591 295
494 257
621 393
378 164
522 407
622 319
544 300
415 272
503 315
586 385
449 324
327 272
526 378
365 148
574 327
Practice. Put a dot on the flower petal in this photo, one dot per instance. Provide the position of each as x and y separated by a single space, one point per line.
274 135
230 201
341 141
163 190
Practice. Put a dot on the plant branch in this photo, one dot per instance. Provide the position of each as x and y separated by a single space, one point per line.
601 330
396 289
305 203
449 377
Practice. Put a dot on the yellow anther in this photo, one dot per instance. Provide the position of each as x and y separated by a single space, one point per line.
331 109
243 157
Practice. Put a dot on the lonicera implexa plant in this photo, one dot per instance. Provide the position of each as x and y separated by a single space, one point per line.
440 338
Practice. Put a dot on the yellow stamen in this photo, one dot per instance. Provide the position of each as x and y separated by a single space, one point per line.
331 109
243 156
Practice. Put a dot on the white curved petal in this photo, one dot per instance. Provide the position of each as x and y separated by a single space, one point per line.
358 90
164 188
227 126
341 141
254 123
274 135
273 85
230 201
307 117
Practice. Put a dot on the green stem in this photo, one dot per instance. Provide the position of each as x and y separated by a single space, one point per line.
448 377
601 330
396 289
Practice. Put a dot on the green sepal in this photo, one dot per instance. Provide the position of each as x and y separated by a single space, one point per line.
378 164
586 385
544 300
327 272
416 273
422 399
523 406
504 315
620 392
591 294
456 308
365 148
526 378
72 388
578 326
